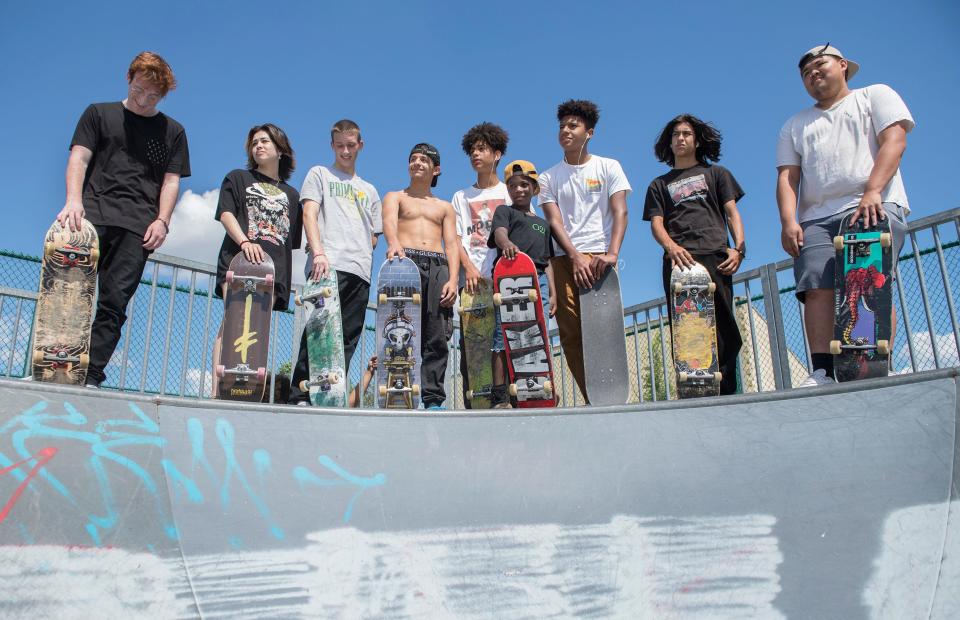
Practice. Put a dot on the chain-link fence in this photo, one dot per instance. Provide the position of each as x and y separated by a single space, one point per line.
173 320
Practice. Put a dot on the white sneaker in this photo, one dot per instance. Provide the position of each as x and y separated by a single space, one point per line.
819 377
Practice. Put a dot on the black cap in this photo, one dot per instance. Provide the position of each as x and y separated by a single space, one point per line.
430 151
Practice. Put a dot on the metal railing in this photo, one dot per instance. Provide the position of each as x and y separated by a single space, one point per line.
173 318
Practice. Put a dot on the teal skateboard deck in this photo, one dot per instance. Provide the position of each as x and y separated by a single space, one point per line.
327 382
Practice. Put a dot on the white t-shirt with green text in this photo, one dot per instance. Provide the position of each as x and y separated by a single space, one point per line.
350 215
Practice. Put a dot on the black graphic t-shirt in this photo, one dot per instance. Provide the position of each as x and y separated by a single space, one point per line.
269 213
691 203
529 232
131 154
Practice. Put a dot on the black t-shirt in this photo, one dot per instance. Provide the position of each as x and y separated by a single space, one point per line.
691 203
269 214
529 232
131 153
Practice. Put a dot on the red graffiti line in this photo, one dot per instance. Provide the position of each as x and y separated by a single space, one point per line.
42 458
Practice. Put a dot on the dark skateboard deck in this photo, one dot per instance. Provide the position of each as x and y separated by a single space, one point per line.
863 299
525 336
398 334
693 321
68 282
247 310
604 342
476 324
327 382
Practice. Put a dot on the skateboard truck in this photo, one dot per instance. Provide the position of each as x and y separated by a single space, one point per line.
249 282
321 293
700 376
499 299
882 346
244 371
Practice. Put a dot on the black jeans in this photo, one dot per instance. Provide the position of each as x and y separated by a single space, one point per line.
436 325
354 294
729 340
122 259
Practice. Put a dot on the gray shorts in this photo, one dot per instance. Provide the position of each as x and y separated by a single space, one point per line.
814 268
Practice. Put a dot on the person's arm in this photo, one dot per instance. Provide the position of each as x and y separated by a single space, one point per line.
391 212
893 142
358 390
448 294
252 251
471 275
77 164
582 274
157 230
509 248
788 188
735 223
679 256
311 227
618 209
551 289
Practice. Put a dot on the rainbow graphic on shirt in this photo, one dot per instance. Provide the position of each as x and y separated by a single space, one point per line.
594 185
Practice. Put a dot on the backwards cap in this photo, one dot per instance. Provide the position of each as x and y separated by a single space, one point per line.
430 151
829 50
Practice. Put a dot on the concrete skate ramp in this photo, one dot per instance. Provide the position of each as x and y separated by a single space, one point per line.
832 503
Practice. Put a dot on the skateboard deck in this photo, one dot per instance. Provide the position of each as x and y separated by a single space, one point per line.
327 382
862 301
694 329
604 342
398 334
247 310
525 336
68 280
476 324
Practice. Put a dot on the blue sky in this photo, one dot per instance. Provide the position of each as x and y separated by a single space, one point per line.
426 71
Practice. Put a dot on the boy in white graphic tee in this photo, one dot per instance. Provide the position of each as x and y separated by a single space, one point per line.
584 198
342 219
839 156
485 144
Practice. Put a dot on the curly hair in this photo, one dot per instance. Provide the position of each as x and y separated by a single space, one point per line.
492 135
581 108
154 69
707 136
287 162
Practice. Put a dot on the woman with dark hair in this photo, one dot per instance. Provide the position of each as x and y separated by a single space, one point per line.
693 214
260 212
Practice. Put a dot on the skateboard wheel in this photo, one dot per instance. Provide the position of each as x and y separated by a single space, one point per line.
512 389
883 347
85 359
711 287
838 243
469 394
37 357
677 287
415 298
548 387
269 279
460 311
382 298
220 370
304 386
835 347
333 377
261 373
497 299
682 377
717 377
885 240
94 255
415 389
49 250
383 391
532 294
229 277
298 300
326 291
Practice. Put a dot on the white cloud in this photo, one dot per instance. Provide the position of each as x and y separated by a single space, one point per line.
195 234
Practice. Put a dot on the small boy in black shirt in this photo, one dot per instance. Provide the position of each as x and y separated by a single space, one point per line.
519 229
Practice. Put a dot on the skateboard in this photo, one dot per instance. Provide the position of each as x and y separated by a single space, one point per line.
327 383
476 324
862 301
694 328
68 280
247 309
604 342
525 336
398 334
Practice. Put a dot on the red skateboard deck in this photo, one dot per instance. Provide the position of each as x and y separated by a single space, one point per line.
525 336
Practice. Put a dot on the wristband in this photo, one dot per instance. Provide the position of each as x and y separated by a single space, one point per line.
245 241
165 225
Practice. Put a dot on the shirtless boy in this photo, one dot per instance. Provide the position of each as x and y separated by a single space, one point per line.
423 228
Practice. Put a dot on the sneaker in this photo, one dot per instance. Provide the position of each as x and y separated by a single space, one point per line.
93 385
503 406
302 403
436 408
819 377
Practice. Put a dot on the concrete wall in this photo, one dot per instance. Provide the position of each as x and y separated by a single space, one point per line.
832 503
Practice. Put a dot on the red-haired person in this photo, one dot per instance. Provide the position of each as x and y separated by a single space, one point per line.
123 175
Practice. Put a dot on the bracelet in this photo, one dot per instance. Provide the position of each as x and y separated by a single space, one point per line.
245 241
165 225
